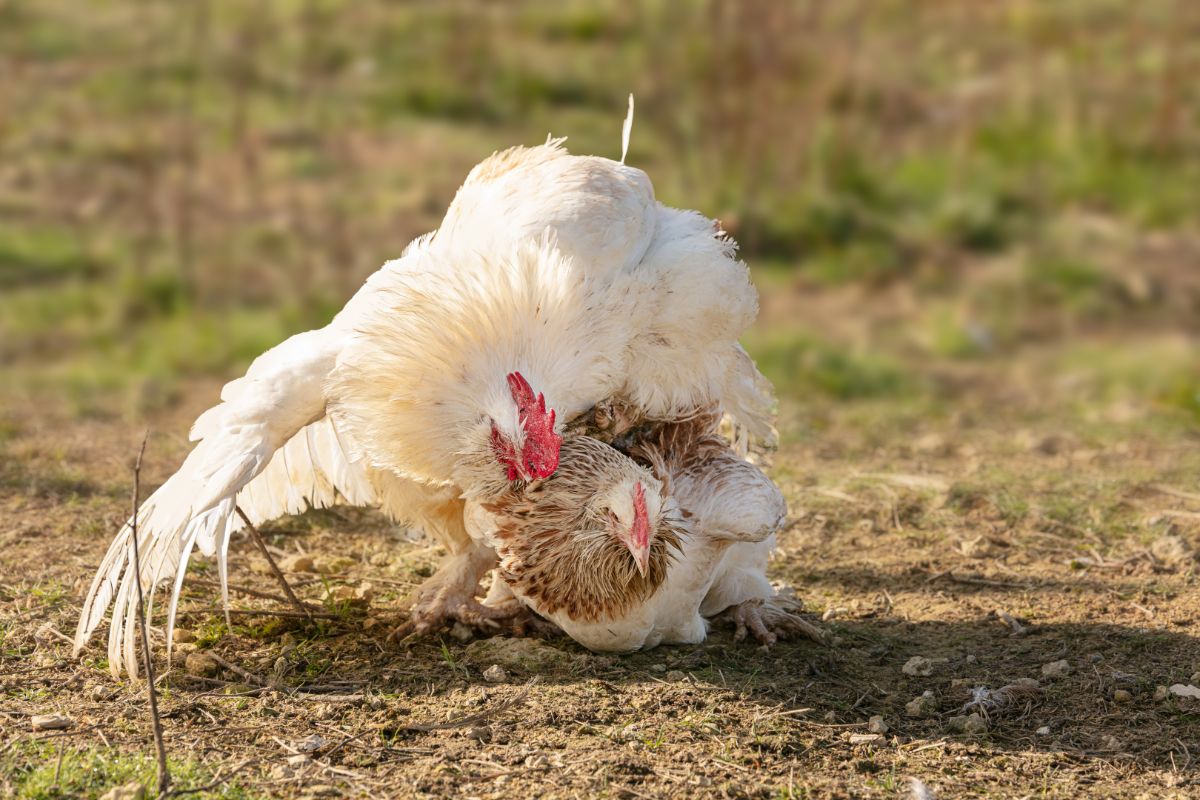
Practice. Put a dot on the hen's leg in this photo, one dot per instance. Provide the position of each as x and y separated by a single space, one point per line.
769 623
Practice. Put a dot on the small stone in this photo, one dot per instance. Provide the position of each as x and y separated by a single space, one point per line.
1161 693
921 706
49 722
971 724
877 725
310 744
865 738
1171 550
281 772
1043 731
660 668
1056 669
495 674
299 564
259 566
1028 683
675 675
1095 658
380 559
1122 696
334 566
1195 679
349 596
298 760
108 693
481 733
1179 690
182 636
976 725
129 791
462 633
971 659
201 664
537 761
920 666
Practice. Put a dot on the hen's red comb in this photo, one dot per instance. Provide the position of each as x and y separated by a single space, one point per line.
640 534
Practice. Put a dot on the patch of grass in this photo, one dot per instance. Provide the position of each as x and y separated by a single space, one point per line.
801 365
87 772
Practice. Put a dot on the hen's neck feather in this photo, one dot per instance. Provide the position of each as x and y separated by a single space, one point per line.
557 549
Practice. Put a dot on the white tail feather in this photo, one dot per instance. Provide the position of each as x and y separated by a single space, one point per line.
626 129
312 469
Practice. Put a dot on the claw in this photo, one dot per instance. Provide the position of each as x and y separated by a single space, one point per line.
769 624
527 623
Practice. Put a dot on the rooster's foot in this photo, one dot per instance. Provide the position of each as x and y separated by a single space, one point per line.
768 623
445 608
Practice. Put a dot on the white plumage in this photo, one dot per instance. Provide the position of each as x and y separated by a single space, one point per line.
563 268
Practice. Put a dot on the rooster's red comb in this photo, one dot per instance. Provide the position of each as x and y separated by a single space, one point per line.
541 442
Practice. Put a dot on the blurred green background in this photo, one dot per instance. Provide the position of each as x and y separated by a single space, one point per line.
944 203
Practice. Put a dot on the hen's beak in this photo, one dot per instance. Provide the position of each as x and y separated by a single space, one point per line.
641 557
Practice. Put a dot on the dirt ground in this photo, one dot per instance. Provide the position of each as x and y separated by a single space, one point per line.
988 544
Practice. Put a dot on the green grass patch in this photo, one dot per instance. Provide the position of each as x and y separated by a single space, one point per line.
90 772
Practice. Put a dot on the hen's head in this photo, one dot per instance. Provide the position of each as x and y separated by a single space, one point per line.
592 540
629 510
529 449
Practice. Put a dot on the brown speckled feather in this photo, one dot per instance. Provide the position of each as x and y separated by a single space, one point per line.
557 546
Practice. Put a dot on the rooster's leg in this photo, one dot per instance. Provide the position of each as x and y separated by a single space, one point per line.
449 595
769 623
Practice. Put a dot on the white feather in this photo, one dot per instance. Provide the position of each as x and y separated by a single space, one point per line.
626 129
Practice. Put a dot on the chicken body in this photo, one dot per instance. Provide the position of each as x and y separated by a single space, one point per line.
728 514
379 408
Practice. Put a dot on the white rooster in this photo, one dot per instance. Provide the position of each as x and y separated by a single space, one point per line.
423 390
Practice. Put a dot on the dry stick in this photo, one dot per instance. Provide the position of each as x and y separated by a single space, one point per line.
160 748
262 546
261 612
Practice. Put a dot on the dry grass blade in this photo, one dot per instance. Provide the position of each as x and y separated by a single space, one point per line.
262 547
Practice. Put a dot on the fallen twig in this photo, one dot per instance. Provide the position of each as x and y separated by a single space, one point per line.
249 676
1173 492
1017 628
262 546
253 612
160 748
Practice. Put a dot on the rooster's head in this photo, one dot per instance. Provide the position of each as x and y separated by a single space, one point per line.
528 450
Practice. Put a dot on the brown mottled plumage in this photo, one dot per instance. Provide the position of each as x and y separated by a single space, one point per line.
558 542
562 556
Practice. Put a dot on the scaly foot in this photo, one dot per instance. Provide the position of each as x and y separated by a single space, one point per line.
449 596
769 623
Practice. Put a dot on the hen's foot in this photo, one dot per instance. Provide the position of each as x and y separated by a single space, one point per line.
769 623
526 623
